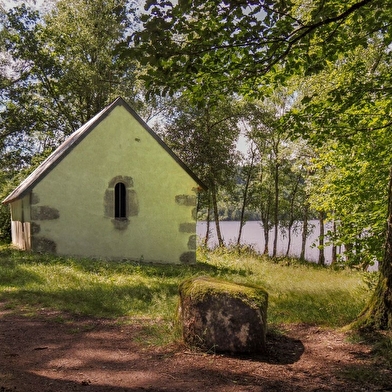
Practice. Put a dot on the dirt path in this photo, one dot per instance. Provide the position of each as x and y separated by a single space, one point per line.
41 354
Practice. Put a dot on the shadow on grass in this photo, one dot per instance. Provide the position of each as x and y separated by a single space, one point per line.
155 270
8 255
95 287
99 300
14 274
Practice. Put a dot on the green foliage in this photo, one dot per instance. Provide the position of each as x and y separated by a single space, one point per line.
337 51
352 187
5 215
61 69
345 113
233 46
277 188
204 137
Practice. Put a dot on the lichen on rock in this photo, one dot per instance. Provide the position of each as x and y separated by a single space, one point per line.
222 316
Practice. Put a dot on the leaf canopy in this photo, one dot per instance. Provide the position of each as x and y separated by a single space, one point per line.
243 46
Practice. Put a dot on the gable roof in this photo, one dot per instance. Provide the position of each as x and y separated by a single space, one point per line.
75 138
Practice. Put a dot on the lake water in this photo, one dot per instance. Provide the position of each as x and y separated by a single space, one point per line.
252 234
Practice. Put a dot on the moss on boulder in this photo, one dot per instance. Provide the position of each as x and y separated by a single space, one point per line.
223 316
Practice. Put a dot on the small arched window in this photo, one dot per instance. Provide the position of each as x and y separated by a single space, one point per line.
120 200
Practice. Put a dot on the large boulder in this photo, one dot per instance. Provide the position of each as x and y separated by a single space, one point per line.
222 316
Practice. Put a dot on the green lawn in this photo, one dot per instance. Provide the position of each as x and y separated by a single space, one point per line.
298 293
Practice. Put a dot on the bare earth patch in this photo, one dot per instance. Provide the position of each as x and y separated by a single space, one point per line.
53 352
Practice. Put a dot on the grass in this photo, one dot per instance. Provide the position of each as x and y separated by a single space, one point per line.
298 293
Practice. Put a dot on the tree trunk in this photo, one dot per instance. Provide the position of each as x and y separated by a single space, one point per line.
291 218
321 259
265 219
245 198
289 239
378 312
207 237
266 238
276 212
242 224
334 248
304 232
216 218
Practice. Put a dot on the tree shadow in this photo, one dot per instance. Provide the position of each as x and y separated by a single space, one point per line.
98 300
41 354
280 350
46 355
12 274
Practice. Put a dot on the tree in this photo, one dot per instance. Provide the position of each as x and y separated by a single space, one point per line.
64 69
294 184
249 46
237 42
353 112
205 138
278 157
349 185
249 171
261 131
306 229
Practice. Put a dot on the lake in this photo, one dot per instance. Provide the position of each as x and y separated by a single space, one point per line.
252 234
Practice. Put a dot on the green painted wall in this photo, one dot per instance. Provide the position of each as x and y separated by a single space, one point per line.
70 211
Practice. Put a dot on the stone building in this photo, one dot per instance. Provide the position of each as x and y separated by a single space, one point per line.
112 190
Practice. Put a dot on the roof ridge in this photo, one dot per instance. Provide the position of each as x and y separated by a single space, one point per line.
76 137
